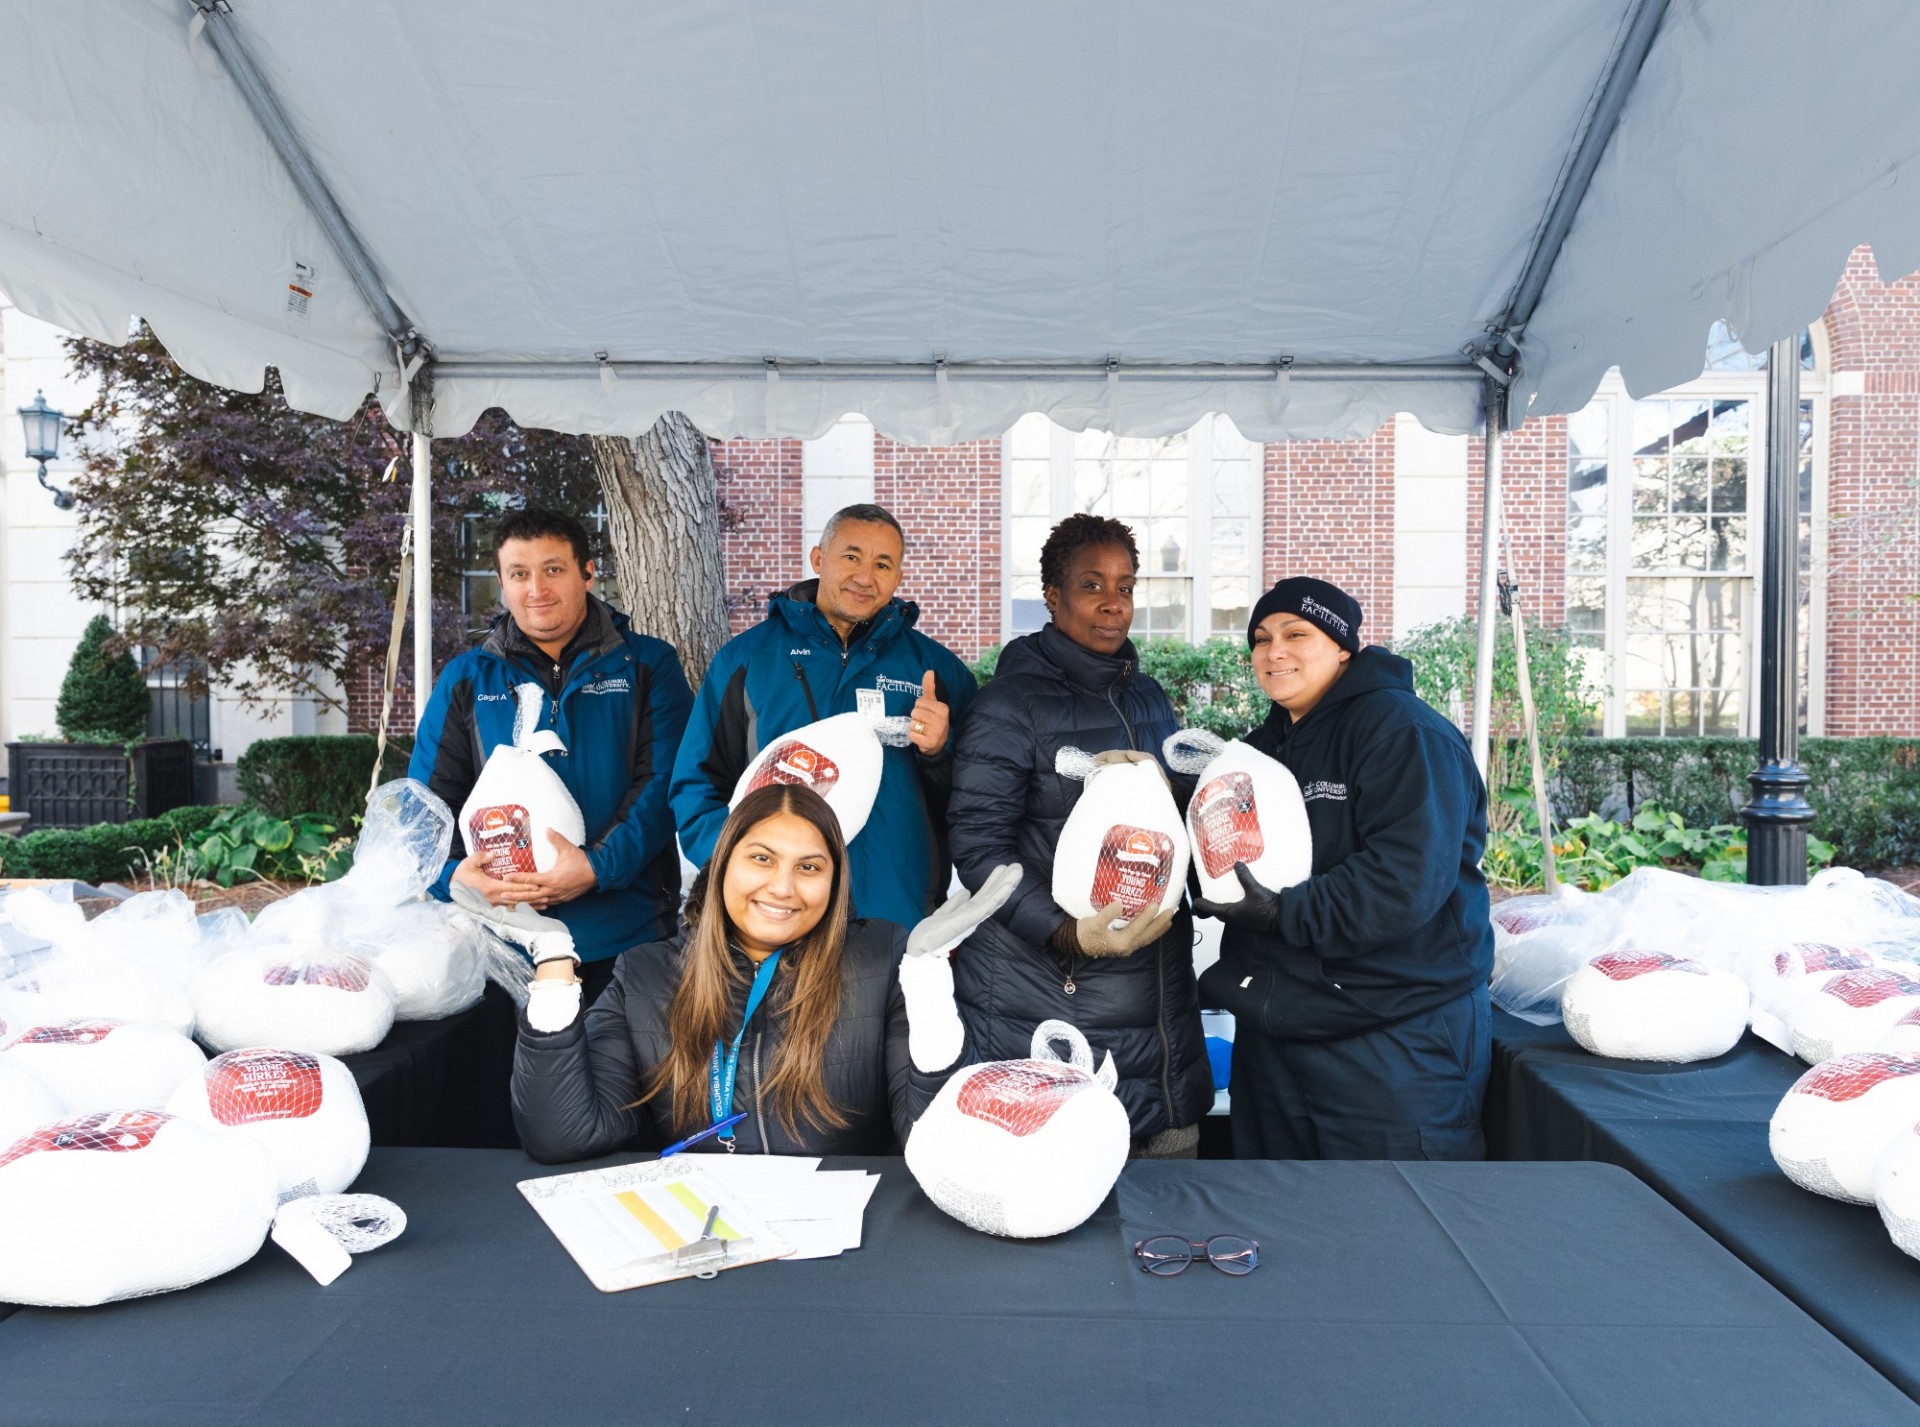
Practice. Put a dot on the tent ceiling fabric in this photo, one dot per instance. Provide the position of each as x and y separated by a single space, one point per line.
1178 182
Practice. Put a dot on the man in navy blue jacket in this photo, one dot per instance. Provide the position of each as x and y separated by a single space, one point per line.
838 644
618 701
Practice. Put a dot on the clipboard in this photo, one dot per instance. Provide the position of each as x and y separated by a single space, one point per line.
651 1222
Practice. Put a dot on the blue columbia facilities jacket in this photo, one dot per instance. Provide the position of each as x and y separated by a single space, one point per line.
619 702
790 670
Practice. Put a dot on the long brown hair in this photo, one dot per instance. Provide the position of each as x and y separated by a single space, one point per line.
806 987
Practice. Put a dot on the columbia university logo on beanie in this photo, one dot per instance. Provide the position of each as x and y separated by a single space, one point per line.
1329 606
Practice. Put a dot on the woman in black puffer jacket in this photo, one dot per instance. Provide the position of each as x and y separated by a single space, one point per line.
822 1062
1074 684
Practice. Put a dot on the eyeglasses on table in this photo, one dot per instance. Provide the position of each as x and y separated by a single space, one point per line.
1165 1255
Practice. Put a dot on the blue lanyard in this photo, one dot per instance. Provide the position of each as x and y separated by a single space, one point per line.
723 1067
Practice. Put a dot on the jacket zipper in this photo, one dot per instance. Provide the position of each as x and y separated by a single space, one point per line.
1115 703
1070 988
759 1106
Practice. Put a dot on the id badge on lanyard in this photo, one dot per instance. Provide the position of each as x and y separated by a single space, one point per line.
725 1064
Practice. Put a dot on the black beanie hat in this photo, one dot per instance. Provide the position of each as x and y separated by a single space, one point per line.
1316 601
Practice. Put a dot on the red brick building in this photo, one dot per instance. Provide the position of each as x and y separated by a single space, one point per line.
1636 521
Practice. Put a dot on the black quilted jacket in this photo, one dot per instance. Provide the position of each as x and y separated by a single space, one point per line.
573 1089
1008 804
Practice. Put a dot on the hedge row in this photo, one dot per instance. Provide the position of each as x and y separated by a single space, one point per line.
107 852
324 774
1865 791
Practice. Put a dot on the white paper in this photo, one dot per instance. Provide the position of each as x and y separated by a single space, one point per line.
312 1247
820 1212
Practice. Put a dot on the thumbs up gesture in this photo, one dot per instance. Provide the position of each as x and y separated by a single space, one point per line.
927 728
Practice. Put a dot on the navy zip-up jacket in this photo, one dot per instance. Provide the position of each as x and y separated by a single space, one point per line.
619 702
1393 920
789 671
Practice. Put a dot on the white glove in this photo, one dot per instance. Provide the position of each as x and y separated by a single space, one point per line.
934 1033
552 1005
545 938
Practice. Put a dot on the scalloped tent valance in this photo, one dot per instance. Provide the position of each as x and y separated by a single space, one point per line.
942 215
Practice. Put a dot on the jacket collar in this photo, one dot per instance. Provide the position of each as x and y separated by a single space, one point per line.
1051 652
795 607
602 630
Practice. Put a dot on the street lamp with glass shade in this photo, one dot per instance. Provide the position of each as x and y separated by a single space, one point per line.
44 425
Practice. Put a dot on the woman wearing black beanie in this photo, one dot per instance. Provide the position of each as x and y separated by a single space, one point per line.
1360 995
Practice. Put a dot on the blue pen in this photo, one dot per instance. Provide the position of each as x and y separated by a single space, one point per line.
708 1133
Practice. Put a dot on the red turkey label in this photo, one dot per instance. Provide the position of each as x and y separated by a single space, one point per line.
1518 921
1228 823
1019 1096
1860 989
794 762
1814 956
73 1033
1133 869
114 1131
1625 965
502 838
248 1085
1848 1077
340 975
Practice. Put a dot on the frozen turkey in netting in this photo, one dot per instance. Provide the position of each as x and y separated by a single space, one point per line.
518 799
840 758
1829 1129
1792 973
432 954
1904 1036
1023 1148
25 1103
1124 841
125 1203
99 1064
305 1111
1850 1011
324 1002
1246 807
1649 1005
1896 1189
68 987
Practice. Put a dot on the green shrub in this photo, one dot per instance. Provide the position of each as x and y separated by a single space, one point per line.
1865 791
326 775
1594 852
1442 654
107 852
104 698
244 844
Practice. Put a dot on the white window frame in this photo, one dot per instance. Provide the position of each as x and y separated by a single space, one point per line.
1061 456
1752 388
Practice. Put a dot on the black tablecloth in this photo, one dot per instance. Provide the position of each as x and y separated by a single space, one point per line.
443 1082
1698 1134
1470 1293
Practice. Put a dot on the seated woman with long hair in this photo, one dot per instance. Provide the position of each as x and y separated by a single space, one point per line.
771 1001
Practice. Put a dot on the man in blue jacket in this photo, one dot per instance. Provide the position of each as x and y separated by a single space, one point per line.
618 701
838 644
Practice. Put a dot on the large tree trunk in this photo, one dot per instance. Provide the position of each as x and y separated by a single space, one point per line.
663 522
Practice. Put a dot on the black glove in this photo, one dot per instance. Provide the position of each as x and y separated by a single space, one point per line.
1257 911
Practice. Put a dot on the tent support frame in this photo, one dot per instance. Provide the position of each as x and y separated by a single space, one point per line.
932 369
1778 814
1487 624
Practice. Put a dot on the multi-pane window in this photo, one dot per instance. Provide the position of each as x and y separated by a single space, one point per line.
1191 500
1663 521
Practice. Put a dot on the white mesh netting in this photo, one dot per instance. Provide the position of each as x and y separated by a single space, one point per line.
324 1002
1651 1005
1829 1130
1023 1148
304 1110
90 1065
124 1203
840 758
1850 1011
1124 842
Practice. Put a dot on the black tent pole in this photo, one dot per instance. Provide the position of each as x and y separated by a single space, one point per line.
1778 813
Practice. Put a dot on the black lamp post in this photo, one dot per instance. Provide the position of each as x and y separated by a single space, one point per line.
44 426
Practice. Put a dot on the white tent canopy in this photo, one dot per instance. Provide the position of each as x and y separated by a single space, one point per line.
945 215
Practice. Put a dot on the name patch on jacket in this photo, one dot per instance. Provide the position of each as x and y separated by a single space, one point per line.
618 684
1336 792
